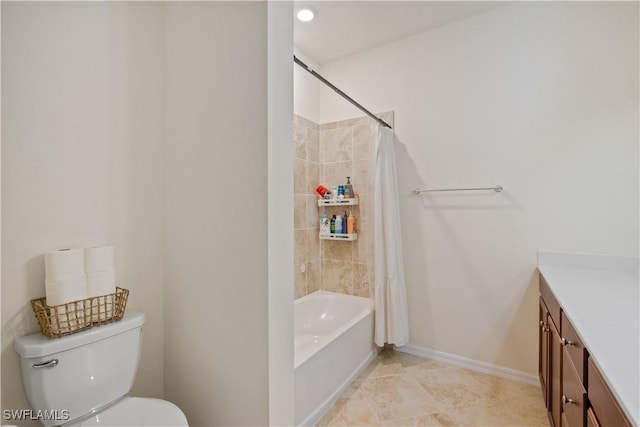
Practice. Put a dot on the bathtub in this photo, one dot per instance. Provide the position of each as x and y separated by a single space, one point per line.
333 339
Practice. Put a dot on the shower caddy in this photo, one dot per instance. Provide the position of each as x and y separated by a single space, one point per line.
340 202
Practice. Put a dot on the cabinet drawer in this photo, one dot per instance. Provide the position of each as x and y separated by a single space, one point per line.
573 394
574 347
550 301
605 406
592 421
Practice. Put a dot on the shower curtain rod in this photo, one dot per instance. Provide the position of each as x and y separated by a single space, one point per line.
339 92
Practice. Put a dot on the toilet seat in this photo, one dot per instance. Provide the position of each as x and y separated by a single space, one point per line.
138 412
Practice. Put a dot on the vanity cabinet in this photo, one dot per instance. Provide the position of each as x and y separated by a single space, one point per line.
574 389
543 350
605 410
574 394
550 354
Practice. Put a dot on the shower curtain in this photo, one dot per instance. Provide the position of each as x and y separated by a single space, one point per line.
391 315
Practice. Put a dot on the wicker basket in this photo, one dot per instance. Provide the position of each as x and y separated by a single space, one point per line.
65 319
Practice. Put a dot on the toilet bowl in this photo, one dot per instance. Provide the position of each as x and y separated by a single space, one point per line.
84 379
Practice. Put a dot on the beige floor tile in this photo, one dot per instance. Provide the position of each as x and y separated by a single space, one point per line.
399 389
352 411
529 411
398 396
506 390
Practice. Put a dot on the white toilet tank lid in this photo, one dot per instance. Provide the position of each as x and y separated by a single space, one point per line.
38 345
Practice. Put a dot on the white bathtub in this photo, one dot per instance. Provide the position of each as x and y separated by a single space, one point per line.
333 338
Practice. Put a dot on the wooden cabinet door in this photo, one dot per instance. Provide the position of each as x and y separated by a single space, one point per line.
574 348
555 374
543 351
605 406
573 394
592 421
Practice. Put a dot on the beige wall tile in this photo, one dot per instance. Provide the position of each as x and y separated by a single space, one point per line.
300 247
299 282
313 145
313 276
361 213
337 250
336 173
299 211
305 122
363 251
337 276
299 141
337 266
362 141
313 245
358 121
361 280
328 126
312 177
312 216
336 145
360 177
299 176
388 117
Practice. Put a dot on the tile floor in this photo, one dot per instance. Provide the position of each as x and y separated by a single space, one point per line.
398 389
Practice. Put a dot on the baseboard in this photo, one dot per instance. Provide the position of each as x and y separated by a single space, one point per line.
472 364
315 416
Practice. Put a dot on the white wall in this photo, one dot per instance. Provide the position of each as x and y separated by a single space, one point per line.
541 97
146 125
306 100
280 209
81 159
216 301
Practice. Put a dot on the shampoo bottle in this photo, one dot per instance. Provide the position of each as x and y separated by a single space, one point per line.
351 223
344 223
332 227
348 189
339 224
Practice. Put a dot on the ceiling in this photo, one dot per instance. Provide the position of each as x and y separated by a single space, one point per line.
342 28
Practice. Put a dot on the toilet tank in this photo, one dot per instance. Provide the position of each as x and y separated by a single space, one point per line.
73 376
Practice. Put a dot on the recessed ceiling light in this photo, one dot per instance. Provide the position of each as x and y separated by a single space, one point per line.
306 13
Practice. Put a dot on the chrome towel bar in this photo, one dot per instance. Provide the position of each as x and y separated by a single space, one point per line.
497 189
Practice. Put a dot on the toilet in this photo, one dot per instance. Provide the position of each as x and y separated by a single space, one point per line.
83 379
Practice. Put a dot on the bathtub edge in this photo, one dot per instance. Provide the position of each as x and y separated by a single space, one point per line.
316 415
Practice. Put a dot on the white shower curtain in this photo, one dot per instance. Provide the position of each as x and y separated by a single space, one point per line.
391 315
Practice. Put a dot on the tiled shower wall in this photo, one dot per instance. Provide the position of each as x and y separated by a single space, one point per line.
327 154
306 166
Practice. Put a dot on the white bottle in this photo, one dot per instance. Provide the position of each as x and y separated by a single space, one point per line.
324 225
338 224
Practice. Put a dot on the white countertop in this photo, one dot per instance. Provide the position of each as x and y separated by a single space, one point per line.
600 295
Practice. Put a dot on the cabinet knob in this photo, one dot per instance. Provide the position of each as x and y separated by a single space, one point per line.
566 342
543 325
566 400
